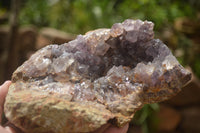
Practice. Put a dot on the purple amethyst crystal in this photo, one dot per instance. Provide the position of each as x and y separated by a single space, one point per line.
105 75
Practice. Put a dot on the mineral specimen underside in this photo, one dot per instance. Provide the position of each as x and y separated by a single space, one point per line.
103 76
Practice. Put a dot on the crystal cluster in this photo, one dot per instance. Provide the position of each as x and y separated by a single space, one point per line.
103 76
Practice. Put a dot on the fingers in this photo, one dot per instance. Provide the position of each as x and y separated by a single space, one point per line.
2 130
113 129
5 130
9 130
3 93
102 128
108 128
12 128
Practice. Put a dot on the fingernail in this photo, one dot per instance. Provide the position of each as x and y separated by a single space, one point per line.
7 82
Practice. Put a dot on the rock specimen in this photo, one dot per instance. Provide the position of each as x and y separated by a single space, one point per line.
103 76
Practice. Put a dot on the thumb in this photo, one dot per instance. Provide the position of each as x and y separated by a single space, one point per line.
3 93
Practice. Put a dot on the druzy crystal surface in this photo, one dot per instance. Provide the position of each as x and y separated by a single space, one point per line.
103 76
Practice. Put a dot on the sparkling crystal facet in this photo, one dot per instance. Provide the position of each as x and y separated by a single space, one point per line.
102 76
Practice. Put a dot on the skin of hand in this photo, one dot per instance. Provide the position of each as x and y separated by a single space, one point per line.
3 93
108 128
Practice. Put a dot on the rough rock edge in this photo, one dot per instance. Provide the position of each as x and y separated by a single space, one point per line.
122 68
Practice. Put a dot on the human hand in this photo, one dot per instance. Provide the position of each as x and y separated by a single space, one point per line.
108 128
113 129
3 93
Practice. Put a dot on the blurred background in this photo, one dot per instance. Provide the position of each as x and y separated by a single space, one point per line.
28 25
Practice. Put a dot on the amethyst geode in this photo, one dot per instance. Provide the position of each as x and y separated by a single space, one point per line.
103 76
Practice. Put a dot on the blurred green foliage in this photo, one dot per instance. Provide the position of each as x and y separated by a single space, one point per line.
80 16
35 12
147 118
